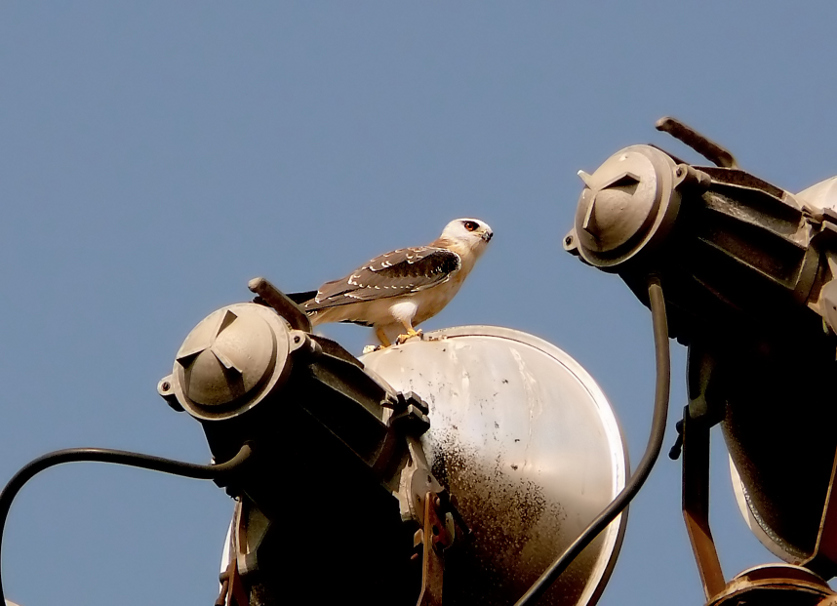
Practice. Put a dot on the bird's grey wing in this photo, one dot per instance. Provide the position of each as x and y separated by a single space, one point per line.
402 271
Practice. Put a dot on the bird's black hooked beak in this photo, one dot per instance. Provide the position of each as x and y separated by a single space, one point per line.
487 236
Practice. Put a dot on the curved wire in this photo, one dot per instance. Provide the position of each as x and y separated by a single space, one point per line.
655 441
217 472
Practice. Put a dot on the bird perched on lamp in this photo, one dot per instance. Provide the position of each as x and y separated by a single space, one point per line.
402 288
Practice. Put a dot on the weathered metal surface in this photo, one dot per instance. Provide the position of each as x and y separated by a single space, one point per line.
529 447
750 275
435 538
774 585
231 361
628 205
695 434
328 458
821 195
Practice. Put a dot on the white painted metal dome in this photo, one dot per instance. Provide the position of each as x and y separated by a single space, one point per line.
528 445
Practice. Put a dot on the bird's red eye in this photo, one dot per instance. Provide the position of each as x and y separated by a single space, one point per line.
470 225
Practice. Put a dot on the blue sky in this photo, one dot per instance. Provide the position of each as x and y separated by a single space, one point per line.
155 156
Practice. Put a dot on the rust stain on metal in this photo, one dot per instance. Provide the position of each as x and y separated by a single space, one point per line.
481 565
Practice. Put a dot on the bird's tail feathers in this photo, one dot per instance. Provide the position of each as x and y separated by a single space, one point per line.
300 298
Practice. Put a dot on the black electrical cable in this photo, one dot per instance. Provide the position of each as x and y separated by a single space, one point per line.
655 442
217 472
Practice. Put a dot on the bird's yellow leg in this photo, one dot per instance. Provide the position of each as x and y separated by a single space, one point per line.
411 332
382 337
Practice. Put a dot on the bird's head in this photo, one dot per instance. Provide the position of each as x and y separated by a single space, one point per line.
467 235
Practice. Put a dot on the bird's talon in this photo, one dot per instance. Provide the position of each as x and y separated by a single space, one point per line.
410 334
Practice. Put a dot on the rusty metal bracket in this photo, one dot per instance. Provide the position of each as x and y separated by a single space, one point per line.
698 142
281 303
824 559
225 578
233 592
436 535
696 502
